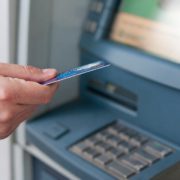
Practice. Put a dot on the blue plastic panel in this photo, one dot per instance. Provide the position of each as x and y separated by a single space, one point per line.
43 172
158 105
134 61
154 81
82 119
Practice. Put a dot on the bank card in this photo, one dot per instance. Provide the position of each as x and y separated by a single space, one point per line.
77 71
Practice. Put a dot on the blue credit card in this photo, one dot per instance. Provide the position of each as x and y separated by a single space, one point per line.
77 71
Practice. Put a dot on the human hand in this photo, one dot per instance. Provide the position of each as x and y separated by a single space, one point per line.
20 94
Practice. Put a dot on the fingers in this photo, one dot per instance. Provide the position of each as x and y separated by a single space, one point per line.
26 113
19 91
26 72
12 115
10 112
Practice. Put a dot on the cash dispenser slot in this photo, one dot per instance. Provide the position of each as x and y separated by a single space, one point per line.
114 93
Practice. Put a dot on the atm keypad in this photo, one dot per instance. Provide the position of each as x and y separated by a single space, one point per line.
139 140
80 147
120 150
103 159
157 148
126 146
115 152
103 146
92 140
134 162
114 140
120 170
104 134
91 153
142 154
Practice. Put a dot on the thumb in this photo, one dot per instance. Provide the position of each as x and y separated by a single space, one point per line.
28 73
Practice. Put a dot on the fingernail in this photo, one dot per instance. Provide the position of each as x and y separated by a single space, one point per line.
49 71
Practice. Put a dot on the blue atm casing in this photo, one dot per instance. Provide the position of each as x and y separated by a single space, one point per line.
154 87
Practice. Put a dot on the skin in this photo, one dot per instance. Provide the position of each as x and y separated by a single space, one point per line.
21 94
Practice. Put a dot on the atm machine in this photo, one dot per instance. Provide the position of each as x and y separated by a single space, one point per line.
125 122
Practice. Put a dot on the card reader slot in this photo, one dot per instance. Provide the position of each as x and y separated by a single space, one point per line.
112 92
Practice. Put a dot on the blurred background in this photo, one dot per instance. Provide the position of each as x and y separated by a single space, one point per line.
7 54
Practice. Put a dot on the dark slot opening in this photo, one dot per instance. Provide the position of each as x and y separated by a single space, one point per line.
116 94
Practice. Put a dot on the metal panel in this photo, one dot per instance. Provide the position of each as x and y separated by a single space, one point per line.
48 37
67 20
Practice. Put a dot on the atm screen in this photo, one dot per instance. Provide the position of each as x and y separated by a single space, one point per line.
150 25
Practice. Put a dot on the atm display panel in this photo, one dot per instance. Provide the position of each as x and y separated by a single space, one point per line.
152 26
